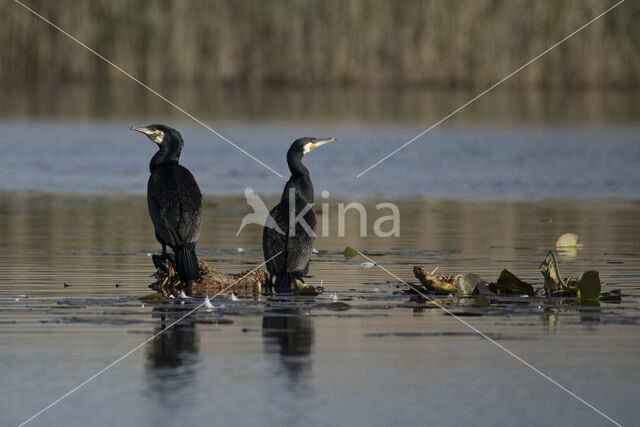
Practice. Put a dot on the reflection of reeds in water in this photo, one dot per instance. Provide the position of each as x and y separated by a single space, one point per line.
374 42
94 242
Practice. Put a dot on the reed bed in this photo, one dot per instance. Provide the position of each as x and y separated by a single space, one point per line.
457 43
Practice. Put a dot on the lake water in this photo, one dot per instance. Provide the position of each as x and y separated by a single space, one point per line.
508 144
480 161
492 188
379 359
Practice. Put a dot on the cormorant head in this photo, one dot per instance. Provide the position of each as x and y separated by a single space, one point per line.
304 145
168 139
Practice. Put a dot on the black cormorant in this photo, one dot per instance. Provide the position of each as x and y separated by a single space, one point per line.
175 201
295 242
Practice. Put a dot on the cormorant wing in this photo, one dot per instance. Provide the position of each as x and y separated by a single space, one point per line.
300 246
274 241
175 206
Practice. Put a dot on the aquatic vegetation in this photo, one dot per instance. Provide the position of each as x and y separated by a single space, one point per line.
300 288
280 44
153 297
553 283
439 285
467 284
349 252
568 240
587 287
509 284
210 282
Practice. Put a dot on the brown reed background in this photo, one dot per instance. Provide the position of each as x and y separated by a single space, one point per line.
457 43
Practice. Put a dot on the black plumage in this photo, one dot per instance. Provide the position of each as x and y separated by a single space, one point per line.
288 253
175 201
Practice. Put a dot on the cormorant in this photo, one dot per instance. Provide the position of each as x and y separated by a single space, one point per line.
175 201
295 243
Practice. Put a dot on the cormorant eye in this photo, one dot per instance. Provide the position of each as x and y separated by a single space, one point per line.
155 133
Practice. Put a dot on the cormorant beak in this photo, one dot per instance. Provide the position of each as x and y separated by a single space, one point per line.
155 135
146 131
317 143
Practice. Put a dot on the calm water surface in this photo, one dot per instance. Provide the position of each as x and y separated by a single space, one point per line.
378 358
483 160
384 360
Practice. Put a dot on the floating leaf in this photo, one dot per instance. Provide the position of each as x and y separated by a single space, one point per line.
349 252
154 297
610 296
589 285
299 288
508 283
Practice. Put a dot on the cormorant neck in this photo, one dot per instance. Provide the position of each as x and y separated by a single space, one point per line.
294 160
300 177
164 156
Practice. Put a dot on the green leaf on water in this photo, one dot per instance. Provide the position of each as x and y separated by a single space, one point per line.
154 297
508 283
300 288
589 285
349 252
610 297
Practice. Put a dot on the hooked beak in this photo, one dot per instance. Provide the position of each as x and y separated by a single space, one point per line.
146 131
318 142
155 135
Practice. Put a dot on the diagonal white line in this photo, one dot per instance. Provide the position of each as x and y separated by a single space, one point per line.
507 77
182 110
119 359
497 344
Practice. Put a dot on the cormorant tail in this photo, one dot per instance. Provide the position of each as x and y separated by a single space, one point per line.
284 281
187 263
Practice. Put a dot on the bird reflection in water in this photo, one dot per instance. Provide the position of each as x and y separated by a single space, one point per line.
172 359
290 333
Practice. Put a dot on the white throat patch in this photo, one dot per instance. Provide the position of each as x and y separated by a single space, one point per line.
307 147
158 138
